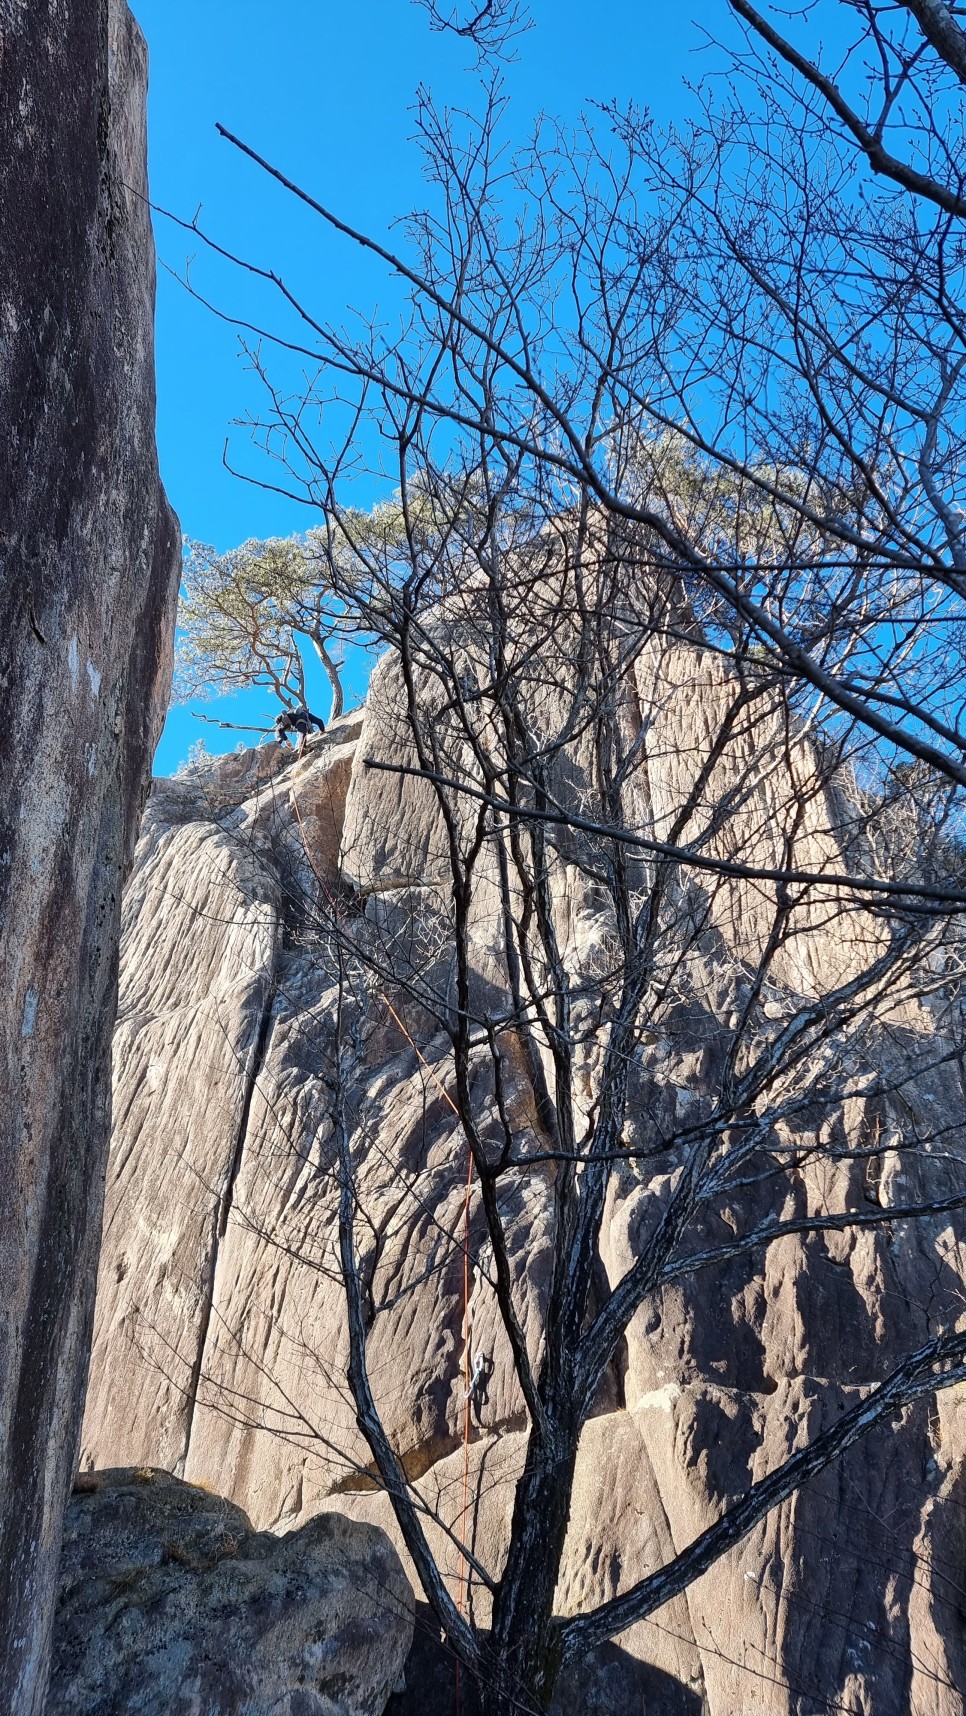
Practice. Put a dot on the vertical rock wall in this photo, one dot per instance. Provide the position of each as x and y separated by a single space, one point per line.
88 580
220 1346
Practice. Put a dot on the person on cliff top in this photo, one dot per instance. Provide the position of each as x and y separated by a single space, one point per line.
299 720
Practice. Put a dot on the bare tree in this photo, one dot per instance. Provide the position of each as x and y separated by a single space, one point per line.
666 413
607 901
492 26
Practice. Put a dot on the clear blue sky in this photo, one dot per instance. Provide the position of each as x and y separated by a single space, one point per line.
324 90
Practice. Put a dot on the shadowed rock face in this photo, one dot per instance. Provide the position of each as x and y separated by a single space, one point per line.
220 1345
171 1604
88 581
612 1683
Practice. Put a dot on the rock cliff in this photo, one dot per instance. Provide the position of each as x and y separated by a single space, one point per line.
89 552
220 1345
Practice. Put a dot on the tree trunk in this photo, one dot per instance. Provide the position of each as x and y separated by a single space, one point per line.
525 1641
332 674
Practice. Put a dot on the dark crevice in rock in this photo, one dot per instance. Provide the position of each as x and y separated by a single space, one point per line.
256 1062
610 1679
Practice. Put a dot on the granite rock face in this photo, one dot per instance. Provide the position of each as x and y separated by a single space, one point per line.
88 581
171 1604
220 1345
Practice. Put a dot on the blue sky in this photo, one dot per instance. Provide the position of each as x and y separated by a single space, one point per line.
325 91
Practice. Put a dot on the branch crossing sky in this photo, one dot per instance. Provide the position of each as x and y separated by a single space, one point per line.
325 91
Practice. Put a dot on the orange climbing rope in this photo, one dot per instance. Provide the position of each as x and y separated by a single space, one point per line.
466 1300
467 1385
467 1380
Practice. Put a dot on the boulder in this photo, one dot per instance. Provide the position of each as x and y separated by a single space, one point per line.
89 563
171 1605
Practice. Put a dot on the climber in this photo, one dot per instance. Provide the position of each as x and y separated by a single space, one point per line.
478 1393
298 720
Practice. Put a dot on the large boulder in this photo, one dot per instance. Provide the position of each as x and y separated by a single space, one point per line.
89 558
170 1604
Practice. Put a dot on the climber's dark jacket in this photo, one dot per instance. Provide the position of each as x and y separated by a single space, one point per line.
299 720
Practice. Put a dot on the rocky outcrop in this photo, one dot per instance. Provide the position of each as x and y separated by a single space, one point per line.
89 556
171 1604
220 1346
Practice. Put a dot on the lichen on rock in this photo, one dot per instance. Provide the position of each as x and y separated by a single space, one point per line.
170 1604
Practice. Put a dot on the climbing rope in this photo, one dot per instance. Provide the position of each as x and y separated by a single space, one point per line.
467 1379
462 1582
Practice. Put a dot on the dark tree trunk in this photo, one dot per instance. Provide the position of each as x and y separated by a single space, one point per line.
525 1642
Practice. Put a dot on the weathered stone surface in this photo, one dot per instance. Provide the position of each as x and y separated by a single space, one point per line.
170 1605
842 1595
89 558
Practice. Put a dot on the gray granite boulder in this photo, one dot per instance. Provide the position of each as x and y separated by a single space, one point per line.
171 1605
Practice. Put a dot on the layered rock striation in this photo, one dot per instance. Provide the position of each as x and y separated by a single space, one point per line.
220 1347
88 581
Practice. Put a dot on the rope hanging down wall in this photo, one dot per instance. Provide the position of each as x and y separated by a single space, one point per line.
469 1376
